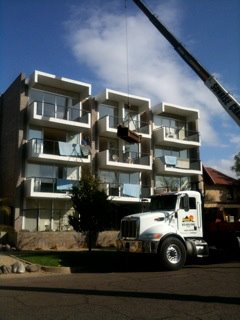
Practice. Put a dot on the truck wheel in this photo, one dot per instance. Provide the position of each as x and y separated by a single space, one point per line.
172 254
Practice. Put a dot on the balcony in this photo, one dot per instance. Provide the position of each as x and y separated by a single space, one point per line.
177 166
128 161
50 115
126 191
107 127
176 137
36 187
58 152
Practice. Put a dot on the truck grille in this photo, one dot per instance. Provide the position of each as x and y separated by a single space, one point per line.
129 228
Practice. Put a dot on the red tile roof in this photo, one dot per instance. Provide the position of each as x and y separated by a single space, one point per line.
213 176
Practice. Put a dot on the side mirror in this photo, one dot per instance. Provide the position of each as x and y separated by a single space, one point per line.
186 202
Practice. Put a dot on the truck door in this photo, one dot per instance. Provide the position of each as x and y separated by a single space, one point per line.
189 221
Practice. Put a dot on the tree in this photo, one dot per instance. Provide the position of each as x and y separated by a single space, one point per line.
5 212
236 166
92 209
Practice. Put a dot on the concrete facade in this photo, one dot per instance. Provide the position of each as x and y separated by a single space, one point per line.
53 130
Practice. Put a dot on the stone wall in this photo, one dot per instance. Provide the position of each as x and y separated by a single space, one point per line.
69 240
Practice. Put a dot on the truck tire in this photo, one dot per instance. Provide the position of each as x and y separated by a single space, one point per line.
172 254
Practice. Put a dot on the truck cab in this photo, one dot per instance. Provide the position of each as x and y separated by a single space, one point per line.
172 229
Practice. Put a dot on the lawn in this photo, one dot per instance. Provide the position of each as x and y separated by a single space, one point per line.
95 261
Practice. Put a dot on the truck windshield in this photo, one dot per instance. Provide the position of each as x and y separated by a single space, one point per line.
165 202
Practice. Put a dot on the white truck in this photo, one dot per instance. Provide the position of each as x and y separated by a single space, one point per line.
172 229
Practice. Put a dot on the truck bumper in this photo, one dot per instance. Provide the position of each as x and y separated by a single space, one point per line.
137 246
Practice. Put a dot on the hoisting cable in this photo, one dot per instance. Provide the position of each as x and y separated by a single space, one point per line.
123 131
126 41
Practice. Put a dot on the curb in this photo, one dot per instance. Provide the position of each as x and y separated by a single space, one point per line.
64 270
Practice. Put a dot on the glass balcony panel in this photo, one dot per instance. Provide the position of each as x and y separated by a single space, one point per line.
130 157
61 112
74 114
53 185
49 110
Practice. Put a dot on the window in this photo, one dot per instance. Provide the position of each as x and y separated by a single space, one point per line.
35 170
119 177
50 104
132 178
164 202
111 111
160 152
131 119
192 203
161 121
34 133
171 183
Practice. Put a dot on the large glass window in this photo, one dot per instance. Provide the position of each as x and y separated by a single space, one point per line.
160 152
132 178
111 111
50 104
119 177
47 171
131 119
35 95
34 133
160 121
171 183
36 170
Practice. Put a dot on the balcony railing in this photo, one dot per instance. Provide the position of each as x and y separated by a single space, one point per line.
52 185
59 148
129 190
180 135
50 110
139 126
180 163
130 157
64 186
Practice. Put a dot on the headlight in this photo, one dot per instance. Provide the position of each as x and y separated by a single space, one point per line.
152 236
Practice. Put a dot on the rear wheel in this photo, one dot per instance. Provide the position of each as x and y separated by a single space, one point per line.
172 254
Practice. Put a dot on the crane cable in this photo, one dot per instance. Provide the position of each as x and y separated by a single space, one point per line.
127 64
126 42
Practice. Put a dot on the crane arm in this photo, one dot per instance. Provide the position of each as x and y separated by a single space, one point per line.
229 103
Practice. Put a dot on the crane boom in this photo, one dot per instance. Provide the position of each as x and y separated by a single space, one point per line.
229 103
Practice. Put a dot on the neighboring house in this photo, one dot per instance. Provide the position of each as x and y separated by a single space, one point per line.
53 130
221 205
222 194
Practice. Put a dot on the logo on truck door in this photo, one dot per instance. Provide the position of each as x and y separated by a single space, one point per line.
189 218
188 223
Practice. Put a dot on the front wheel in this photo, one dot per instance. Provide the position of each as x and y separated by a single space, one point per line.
172 254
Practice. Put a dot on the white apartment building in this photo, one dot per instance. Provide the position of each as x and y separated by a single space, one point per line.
53 130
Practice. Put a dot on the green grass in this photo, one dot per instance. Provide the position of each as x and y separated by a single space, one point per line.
69 258
43 258
95 261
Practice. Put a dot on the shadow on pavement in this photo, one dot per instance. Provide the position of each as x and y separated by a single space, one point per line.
128 294
106 261
112 261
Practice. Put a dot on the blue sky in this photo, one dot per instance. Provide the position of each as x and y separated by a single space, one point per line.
86 41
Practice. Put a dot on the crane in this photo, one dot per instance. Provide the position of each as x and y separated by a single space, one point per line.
229 103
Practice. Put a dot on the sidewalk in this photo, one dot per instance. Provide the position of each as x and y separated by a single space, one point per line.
7 259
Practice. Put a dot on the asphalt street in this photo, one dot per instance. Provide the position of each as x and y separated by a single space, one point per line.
198 291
